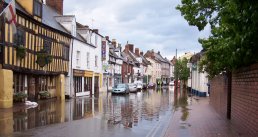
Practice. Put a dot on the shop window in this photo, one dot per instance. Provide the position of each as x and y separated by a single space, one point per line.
19 83
37 10
78 84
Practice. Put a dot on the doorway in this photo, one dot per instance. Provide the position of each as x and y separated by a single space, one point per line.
96 84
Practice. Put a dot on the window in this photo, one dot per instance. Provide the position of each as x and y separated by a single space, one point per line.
96 61
65 53
37 8
19 38
78 56
88 59
47 45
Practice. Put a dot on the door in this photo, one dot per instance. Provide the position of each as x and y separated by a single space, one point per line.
31 88
96 84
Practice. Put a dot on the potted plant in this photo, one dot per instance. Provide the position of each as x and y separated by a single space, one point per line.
44 94
20 51
43 58
19 97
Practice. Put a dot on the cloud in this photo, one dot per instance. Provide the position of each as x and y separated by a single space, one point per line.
148 24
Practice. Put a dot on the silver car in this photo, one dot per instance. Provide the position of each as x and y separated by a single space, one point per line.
121 88
132 87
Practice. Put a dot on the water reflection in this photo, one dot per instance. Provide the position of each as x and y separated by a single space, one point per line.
126 111
181 102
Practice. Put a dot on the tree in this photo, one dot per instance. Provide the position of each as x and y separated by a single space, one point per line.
234 32
181 71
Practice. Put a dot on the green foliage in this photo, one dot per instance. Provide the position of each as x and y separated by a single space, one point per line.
20 51
44 94
181 70
19 97
234 34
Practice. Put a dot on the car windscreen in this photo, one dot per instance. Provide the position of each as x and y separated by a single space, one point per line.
120 86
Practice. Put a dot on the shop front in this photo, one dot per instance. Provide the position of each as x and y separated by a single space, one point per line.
82 82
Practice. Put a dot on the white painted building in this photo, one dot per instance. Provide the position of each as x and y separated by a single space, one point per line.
199 80
85 74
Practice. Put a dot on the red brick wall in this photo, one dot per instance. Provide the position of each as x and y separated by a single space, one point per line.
244 99
219 94
244 110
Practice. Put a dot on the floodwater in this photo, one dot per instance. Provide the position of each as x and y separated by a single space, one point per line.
145 113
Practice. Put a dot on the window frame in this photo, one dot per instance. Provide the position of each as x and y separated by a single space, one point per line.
37 4
19 37
96 61
78 58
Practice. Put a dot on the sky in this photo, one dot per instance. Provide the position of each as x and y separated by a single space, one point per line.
148 24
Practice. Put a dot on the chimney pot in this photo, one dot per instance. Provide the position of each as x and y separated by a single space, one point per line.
141 53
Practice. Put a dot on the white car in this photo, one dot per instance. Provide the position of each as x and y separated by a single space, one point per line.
132 87
139 84
171 83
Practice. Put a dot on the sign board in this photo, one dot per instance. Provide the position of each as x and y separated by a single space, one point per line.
78 73
103 50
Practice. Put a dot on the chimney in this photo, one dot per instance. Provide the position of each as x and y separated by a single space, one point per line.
137 52
95 30
159 52
131 47
107 37
126 48
114 42
141 53
56 4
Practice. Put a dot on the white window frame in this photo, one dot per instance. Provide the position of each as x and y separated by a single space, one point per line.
78 59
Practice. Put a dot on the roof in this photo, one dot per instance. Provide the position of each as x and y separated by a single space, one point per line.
145 61
48 18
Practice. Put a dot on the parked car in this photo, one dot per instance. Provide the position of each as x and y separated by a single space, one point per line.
132 87
151 85
139 84
121 88
144 86
171 83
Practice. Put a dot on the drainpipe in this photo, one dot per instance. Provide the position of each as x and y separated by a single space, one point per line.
71 69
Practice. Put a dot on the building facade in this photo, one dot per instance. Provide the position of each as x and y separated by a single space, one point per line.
36 58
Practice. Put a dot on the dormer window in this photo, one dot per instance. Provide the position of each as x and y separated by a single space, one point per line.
37 9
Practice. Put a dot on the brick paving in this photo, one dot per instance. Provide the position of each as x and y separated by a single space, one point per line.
199 119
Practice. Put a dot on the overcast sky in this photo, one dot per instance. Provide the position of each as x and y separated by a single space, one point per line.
148 24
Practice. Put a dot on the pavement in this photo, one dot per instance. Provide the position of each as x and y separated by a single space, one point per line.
199 119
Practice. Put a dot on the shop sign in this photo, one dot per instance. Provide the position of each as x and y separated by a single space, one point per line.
78 73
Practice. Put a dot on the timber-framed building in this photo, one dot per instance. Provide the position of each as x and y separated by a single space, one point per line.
36 58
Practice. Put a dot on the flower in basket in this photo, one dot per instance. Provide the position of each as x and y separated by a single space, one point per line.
20 51
43 58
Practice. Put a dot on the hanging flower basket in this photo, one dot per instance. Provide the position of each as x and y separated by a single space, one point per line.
20 51
43 58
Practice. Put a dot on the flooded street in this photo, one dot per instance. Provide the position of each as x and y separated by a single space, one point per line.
145 113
